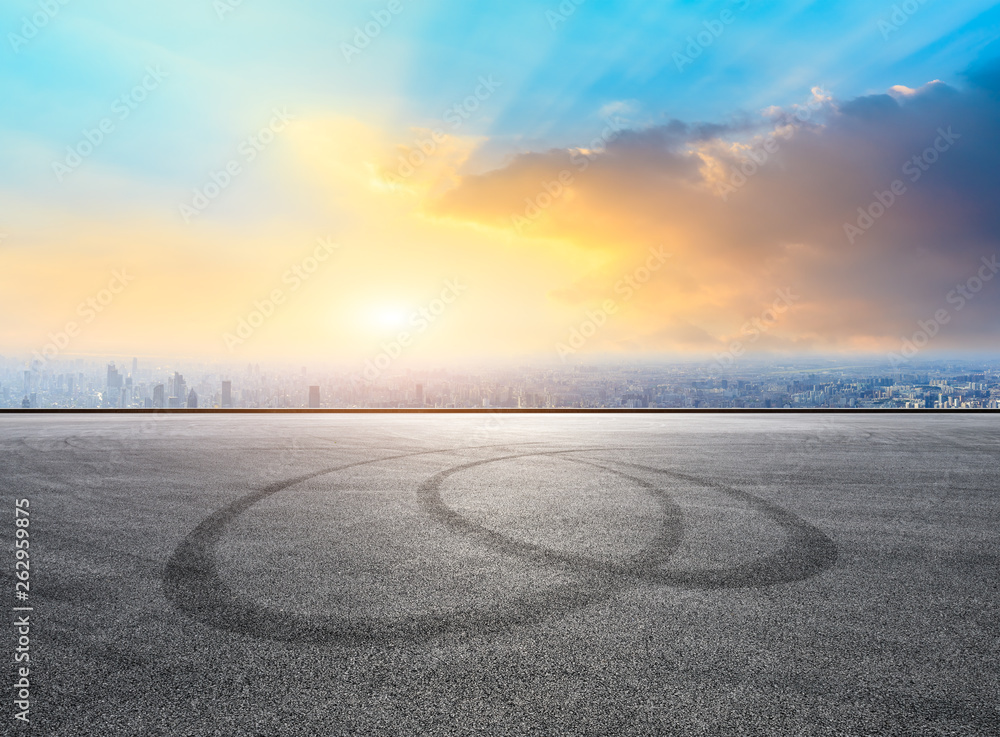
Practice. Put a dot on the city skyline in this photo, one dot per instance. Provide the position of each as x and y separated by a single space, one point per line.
952 384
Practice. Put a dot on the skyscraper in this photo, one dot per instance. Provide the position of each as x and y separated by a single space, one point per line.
314 397
115 380
227 393
420 395
113 387
192 400
158 396
178 389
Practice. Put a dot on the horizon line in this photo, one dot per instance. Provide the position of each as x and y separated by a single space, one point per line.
501 410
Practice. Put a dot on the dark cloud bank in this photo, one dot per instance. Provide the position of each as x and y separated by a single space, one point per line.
880 212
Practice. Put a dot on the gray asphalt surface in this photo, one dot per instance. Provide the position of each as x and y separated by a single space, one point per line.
509 574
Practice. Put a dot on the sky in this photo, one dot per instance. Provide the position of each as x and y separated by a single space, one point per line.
434 181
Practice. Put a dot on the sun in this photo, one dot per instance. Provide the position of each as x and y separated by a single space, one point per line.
388 317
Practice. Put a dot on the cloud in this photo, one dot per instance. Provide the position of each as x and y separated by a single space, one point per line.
797 197
617 107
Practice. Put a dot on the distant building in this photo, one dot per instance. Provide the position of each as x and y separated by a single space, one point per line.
192 401
420 394
115 380
314 397
158 396
178 387
227 393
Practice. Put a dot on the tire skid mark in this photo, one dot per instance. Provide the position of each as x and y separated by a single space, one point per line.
191 581
44 445
807 550
664 544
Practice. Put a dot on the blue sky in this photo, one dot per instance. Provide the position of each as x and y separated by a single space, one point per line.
555 81
557 72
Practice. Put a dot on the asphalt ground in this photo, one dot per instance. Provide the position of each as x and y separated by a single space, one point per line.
507 574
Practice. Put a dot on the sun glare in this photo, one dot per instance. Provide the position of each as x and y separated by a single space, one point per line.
389 317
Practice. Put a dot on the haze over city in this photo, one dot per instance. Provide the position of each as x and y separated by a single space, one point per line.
820 383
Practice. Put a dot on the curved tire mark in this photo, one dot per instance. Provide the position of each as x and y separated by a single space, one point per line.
191 582
807 550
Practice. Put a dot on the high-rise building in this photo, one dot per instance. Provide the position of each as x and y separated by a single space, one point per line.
158 396
192 400
227 393
135 366
314 397
420 395
178 387
115 380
